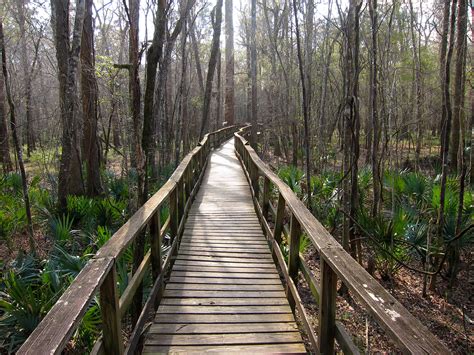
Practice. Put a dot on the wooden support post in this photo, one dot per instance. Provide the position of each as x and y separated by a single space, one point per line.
188 181
173 211
109 306
279 219
327 309
181 202
155 244
293 257
254 178
266 197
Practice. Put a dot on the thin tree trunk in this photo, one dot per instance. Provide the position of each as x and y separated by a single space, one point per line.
305 104
446 130
5 158
459 79
138 159
216 25
229 64
442 66
374 109
351 125
417 71
253 71
30 138
16 141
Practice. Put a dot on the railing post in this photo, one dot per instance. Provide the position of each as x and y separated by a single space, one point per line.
279 218
181 202
187 184
173 211
254 178
266 197
109 307
155 244
327 308
293 256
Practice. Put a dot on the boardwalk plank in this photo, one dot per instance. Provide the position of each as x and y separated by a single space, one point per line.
224 293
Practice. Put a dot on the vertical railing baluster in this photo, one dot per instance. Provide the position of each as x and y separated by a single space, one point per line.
180 187
327 309
293 256
279 218
110 311
156 239
173 211
155 244
254 175
266 197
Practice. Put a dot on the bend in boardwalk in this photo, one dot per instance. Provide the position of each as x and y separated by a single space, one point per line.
224 292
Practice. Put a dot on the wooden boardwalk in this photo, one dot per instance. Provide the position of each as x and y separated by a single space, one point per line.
224 292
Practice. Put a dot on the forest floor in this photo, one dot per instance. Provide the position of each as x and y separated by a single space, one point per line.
451 321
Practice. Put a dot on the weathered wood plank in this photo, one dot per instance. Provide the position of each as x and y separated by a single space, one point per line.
240 328
216 301
223 287
219 339
223 280
246 309
296 348
223 275
224 318
180 293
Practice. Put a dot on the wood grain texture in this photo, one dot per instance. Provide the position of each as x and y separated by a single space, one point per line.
224 293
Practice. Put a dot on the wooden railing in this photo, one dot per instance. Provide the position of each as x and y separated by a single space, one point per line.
335 263
100 274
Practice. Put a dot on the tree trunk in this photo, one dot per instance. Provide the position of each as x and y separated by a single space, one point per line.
30 138
16 141
446 131
442 66
89 91
459 79
417 71
153 57
374 108
70 180
229 110
351 125
305 80
216 25
219 89
5 158
253 71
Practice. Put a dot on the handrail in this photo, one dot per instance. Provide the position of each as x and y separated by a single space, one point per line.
57 327
407 331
